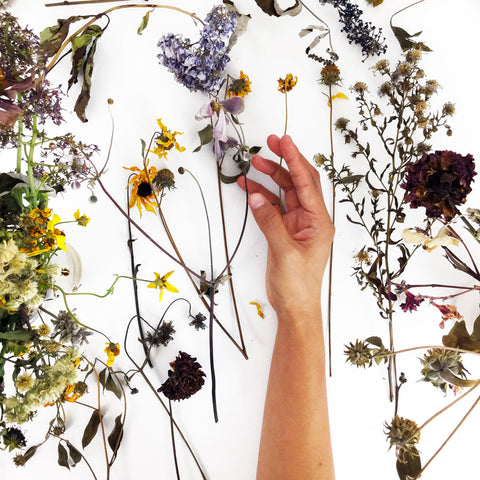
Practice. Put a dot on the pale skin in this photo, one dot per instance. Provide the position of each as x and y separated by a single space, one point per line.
295 441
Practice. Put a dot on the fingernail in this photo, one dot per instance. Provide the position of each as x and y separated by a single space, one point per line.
256 200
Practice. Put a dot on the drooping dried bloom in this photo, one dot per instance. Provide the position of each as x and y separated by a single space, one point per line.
449 312
164 179
403 434
439 365
358 354
411 302
185 379
239 87
112 350
439 181
161 336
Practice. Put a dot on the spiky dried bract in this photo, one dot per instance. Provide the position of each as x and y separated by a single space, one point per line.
358 354
440 182
403 434
185 379
438 362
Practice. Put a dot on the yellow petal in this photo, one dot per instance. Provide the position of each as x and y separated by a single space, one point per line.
76 215
338 95
416 238
170 287
259 309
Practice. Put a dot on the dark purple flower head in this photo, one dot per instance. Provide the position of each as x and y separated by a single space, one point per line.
411 302
14 438
198 65
185 379
439 181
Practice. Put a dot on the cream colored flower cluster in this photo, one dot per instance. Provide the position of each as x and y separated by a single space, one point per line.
20 277
45 389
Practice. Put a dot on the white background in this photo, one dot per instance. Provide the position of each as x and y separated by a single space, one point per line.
126 70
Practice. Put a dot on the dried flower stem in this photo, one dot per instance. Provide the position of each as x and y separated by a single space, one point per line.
403 9
172 434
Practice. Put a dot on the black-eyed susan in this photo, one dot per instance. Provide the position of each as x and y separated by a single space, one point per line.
286 84
142 192
165 140
239 87
112 350
161 283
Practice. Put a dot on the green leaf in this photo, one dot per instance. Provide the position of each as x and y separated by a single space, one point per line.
115 438
144 146
144 23
206 136
51 38
7 182
111 386
102 376
91 429
458 337
17 335
84 97
63 456
75 455
411 467
405 39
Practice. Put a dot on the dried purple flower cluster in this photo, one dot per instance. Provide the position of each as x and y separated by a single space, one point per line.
364 34
439 181
199 67
185 379
411 302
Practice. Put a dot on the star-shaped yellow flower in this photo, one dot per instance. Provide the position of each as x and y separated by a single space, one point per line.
82 220
165 141
161 283
54 235
112 350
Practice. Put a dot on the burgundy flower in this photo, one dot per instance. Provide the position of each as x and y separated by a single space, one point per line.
185 379
411 302
449 312
439 182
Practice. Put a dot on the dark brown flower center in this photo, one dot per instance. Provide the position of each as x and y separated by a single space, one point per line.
144 189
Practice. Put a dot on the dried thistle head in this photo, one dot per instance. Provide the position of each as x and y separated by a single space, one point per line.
330 75
403 434
164 179
358 354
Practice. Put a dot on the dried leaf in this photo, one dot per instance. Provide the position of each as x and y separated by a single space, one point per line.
144 23
111 386
63 456
377 341
458 337
84 97
115 438
271 7
91 429
405 39
254 150
17 335
206 136
52 38
30 452
411 467
350 179
75 455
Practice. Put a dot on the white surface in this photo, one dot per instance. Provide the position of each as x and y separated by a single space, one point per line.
127 70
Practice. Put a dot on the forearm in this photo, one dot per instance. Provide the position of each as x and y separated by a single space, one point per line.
295 442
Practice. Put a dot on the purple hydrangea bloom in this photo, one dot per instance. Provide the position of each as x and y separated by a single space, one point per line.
199 65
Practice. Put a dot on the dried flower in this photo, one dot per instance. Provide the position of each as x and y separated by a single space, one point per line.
411 302
330 75
161 336
199 321
341 123
448 109
449 312
81 220
69 330
439 365
24 382
142 193
200 67
165 141
360 87
439 182
404 435
444 237
185 379
358 354
164 179
286 84
239 87
112 350
14 438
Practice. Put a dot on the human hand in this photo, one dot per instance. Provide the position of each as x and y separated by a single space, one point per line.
299 241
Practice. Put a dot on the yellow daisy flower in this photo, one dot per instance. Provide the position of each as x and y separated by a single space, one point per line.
142 193
161 283
82 220
239 87
112 350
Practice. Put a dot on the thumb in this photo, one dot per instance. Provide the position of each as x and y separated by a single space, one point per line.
269 221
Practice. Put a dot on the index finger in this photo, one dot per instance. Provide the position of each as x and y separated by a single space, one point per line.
304 177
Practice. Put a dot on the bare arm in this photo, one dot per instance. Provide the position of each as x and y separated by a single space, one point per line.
295 442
